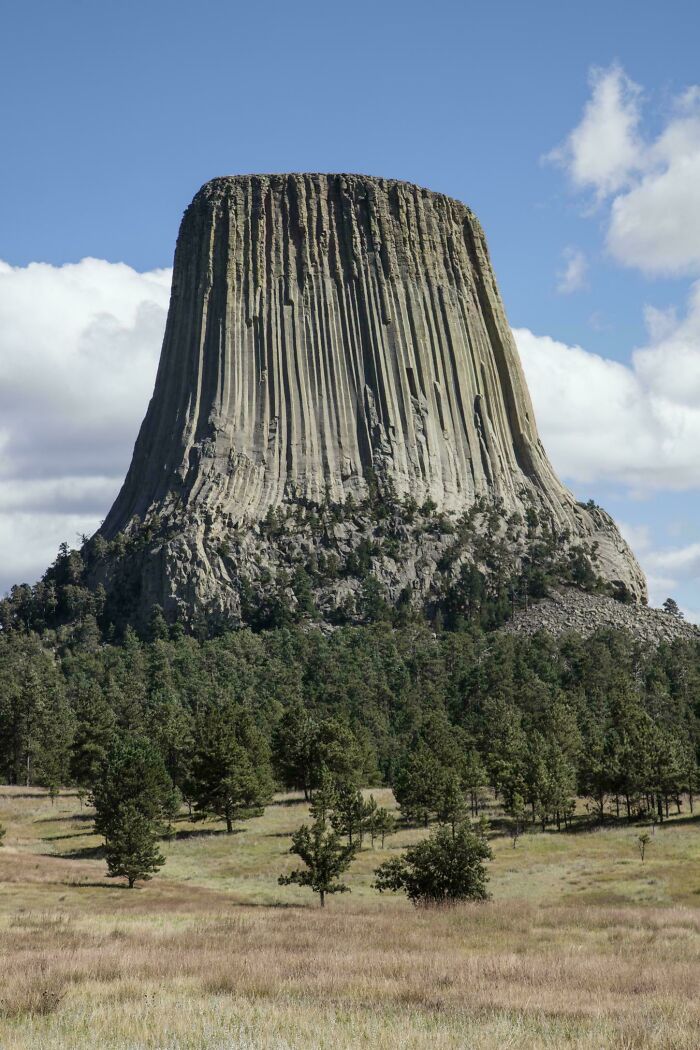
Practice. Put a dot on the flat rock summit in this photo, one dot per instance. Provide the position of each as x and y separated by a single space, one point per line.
339 394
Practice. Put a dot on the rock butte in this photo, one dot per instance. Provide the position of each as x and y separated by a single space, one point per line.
321 325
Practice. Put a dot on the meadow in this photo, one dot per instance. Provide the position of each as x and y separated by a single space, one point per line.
582 944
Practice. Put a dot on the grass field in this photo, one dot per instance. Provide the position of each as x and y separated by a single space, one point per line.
582 945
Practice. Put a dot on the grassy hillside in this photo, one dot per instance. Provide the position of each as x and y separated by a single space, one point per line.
581 946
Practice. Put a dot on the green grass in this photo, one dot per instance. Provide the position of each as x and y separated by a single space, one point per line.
581 946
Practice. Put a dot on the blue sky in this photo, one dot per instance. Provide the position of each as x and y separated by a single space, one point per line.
114 114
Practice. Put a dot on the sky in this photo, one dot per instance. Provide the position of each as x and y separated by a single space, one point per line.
572 130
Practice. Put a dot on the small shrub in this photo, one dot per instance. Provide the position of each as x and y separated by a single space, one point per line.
444 868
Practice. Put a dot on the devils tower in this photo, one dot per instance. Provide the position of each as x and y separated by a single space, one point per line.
338 392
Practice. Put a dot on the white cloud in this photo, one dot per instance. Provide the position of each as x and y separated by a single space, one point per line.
573 276
638 536
605 149
670 568
671 365
653 183
666 569
78 351
677 561
636 424
29 542
656 226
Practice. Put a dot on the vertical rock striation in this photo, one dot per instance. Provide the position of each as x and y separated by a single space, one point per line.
323 329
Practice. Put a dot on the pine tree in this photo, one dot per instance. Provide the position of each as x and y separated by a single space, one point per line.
128 683
474 777
295 748
130 846
451 807
134 802
370 809
504 743
133 774
594 769
36 722
304 746
668 771
325 797
157 626
52 738
168 723
231 773
384 823
417 784
534 779
689 763
517 817
94 732
557 797
325 857
338 751
348 812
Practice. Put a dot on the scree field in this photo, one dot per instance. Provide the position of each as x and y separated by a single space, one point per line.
582 944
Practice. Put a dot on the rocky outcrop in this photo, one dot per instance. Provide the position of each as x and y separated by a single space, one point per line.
568 611
327 335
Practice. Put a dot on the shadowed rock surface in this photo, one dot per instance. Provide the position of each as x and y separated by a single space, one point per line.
331 338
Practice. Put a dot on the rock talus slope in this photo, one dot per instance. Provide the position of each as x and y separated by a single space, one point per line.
328 332
566 610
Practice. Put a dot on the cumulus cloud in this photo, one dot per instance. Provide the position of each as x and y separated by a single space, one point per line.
678 561
652 183
658 564
669 568
572 278
636 424
604 149
78 351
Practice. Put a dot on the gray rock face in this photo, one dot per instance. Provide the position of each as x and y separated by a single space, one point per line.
325 330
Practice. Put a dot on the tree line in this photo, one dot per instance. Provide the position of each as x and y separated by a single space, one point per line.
417 709
443 717
414 708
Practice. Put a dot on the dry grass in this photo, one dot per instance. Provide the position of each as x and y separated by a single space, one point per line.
581 947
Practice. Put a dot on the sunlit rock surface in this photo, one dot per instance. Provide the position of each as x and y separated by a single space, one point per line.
326 331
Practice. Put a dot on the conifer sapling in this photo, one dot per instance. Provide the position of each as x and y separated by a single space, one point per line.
326 858
130 847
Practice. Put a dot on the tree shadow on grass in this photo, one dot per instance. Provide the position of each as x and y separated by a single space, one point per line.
95 885
73 835
23 794
83 853
675 821
198 833
58 820
584 825
613 823
267 905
